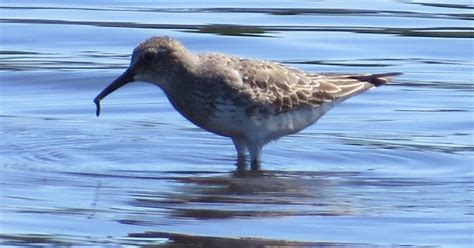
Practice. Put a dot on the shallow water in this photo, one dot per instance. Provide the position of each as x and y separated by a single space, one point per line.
390 167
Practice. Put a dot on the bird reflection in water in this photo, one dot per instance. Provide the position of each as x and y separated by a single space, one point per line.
249 193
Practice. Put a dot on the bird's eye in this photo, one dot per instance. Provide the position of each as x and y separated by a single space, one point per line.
148 55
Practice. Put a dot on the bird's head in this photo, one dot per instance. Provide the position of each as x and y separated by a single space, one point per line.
156 60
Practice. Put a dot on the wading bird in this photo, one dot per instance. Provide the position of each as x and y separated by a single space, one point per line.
250 101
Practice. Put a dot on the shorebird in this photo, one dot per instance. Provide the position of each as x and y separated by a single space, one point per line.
250 101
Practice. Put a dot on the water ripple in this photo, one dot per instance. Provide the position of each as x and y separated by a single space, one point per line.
246 30
384 168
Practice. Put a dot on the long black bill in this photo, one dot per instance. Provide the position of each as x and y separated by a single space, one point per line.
125 78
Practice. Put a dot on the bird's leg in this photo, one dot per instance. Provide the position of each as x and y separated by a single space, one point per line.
241 149
255 165
255 151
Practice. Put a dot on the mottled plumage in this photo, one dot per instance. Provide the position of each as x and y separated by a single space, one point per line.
250 101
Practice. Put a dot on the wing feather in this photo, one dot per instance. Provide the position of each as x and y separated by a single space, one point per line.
269 87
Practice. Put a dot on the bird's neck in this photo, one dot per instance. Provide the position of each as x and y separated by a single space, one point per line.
185 62
181 67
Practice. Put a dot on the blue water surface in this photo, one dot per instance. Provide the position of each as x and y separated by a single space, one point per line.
390 167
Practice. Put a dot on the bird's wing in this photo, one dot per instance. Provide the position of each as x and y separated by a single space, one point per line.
269 87
287 88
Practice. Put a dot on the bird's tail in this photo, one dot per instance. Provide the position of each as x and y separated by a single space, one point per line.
376 79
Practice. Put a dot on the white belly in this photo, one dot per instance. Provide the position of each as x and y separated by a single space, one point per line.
233 121
291 122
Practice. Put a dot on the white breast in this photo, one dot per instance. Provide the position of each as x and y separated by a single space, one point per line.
231 120
291 122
